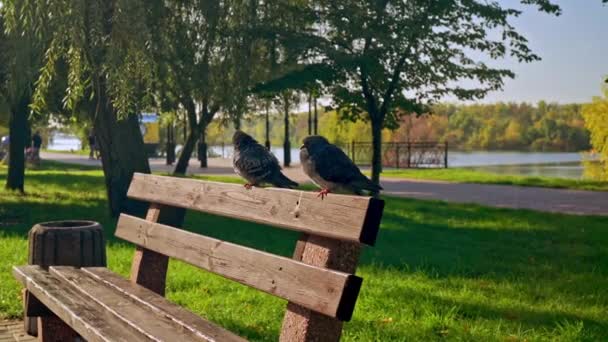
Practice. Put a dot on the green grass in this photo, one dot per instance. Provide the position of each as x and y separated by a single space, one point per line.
473 176
77 152
438 272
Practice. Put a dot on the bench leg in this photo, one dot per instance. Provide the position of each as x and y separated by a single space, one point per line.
30 324
301 324
52 329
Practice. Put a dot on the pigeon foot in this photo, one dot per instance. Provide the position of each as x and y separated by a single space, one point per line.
323 193
248 186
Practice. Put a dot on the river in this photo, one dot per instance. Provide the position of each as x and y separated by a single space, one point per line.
553 164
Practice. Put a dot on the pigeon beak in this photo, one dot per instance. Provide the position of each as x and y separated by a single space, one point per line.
301 147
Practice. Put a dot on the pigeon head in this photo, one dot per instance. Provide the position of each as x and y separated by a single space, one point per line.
241 139
314 143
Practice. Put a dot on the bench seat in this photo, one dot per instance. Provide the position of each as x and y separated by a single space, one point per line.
103 306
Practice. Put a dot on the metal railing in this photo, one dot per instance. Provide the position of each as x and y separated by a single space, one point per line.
400 155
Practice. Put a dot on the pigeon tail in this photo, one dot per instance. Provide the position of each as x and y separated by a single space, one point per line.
366 184
281 181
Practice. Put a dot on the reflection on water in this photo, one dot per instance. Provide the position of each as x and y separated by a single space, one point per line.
484 158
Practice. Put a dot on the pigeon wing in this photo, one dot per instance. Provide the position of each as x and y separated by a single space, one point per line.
333 165
257 162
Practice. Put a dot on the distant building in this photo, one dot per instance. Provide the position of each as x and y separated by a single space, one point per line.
149 125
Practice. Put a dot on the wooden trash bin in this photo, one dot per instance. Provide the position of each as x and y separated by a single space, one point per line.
77 243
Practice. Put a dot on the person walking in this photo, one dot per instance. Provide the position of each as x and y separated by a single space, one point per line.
32 153
92 145
36 144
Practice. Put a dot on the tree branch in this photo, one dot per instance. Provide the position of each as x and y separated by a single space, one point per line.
393 85
367 93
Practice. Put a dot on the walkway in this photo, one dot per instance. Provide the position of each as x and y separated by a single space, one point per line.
12 331
542 199
506 196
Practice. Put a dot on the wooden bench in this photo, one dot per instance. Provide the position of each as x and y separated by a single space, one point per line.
318 282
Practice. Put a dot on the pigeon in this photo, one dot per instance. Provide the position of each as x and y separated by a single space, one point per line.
331 169
256 164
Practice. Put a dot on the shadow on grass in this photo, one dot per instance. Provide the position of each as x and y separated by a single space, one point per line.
459 237
54 165
17 218
461 310
60 181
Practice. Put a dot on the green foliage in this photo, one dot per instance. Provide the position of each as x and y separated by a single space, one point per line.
398 55
439 271
499 126
102 43
389 58
20 57
596 120
505 126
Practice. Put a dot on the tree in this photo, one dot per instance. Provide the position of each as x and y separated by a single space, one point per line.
245 53
596 121
106 48
186 51
20 57
209 52
393 57
286 101
281 26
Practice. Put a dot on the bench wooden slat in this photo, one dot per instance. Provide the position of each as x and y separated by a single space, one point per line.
90 320
158 303
323 290
352 218
154 322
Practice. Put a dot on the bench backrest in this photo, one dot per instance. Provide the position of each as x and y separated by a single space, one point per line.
319 278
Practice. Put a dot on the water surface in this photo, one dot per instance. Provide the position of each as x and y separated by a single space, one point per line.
551 164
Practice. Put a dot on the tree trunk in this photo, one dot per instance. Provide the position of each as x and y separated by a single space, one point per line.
190 143
268 125
122 153
202 146
18 140
170 145
237 121
310 114
316 120
376 150
286 144
186 153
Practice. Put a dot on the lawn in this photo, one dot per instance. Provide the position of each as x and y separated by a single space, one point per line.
438 272
77 152
461 175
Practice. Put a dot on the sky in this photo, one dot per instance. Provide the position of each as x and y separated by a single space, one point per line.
574 52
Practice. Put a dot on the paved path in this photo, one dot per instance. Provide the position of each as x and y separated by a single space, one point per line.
541 199
506 196
11 331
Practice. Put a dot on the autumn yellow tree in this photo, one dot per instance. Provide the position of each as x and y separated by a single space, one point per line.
596 121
